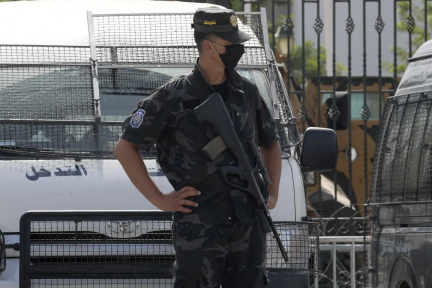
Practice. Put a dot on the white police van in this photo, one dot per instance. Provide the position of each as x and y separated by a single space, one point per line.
68 78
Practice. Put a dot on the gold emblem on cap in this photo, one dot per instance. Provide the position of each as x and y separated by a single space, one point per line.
233 20
208 22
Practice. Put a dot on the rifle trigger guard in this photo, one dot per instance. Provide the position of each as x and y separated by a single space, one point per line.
233 170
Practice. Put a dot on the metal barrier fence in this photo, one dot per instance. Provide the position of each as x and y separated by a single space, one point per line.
351 244
338 267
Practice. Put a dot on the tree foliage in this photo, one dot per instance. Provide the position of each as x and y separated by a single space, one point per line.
311 62
418 34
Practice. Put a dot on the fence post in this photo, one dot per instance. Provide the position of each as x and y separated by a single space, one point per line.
353 265
334 265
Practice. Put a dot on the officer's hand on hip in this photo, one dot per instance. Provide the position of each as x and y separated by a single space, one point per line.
176 200
271 202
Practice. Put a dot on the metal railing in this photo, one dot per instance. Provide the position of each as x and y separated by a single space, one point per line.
336 244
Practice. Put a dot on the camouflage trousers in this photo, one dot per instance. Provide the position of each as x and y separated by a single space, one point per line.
214 255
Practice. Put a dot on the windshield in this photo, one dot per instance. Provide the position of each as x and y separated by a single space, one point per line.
63 95
122 89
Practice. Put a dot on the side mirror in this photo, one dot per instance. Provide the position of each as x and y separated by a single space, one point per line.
342 104
319 150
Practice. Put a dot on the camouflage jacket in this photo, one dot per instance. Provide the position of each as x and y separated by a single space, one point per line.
166 119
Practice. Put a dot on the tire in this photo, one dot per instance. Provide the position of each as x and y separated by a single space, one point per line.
402 275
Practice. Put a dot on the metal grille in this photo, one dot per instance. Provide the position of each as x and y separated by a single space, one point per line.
402 171
46 92
92 248
38 54
47 102
163 39
72 249
136 242
102 283
301 242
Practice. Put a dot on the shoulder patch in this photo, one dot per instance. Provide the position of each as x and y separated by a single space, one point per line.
137 118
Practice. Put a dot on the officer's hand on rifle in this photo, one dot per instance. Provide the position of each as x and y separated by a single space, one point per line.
176 200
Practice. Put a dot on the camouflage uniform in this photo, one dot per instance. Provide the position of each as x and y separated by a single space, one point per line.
222 233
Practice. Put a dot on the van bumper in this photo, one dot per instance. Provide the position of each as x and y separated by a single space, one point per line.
286 278
277 278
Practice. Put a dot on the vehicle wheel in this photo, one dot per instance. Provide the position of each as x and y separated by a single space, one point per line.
402 275
404 285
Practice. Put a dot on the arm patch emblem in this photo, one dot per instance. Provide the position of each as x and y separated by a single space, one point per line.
137 118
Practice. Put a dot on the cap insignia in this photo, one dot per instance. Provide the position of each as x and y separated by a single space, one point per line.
233 20
208 22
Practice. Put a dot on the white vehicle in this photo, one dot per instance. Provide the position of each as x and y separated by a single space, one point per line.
68 79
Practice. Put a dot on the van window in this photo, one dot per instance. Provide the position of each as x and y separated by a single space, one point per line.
122 89
65 94
402 165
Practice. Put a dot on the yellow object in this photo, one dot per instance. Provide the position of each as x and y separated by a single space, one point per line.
208 22
233 20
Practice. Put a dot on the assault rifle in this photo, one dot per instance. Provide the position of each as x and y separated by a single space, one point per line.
214 113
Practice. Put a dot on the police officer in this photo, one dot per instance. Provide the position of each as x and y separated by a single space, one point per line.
216 234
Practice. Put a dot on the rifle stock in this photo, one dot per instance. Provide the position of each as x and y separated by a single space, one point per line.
214 113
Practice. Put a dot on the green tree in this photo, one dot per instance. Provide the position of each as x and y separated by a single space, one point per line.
311 62
418 33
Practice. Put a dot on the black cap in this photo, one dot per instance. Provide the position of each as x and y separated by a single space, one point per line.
220 22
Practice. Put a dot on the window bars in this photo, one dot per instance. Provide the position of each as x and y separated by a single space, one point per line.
50 96
163 39
402 170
